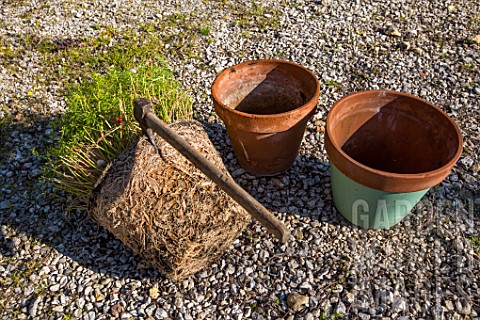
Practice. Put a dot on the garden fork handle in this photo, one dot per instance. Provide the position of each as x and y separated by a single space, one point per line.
145 115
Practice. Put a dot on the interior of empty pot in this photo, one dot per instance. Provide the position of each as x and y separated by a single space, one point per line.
265 87
394 133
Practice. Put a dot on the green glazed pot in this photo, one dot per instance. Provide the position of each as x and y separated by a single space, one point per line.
386 150
367 207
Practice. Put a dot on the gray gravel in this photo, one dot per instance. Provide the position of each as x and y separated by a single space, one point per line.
56 266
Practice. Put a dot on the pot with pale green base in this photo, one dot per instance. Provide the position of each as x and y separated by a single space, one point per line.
386 150
370 208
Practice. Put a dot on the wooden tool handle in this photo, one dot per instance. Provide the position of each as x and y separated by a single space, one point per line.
145 115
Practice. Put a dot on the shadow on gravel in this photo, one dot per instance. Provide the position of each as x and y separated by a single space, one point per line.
32 213
303 191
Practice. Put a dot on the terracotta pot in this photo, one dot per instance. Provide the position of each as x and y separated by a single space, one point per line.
265 105
387 149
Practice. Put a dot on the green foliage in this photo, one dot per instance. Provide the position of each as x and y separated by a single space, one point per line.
255 15
17 279
5 130
257 9
468 66
104 104
98 123
204 30
332 83
336 315
476 243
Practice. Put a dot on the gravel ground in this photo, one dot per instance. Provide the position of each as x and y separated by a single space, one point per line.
428 266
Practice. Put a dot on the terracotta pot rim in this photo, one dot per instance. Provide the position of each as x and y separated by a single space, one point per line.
385 174
306 105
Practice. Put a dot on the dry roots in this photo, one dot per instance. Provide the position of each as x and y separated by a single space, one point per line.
164 208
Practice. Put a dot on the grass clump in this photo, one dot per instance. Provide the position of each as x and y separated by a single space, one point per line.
98 123
204 30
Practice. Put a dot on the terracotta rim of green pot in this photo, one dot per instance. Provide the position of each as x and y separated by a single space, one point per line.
429 133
